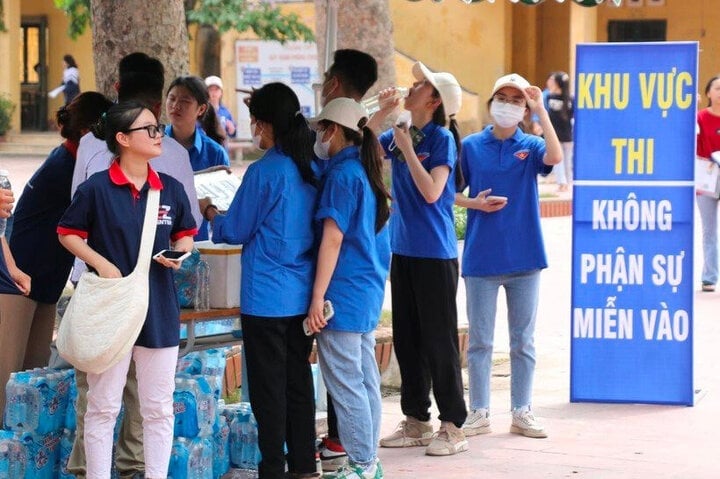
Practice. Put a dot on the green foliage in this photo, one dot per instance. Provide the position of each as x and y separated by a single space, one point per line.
460 221
6 110
2 16
267 21
79 13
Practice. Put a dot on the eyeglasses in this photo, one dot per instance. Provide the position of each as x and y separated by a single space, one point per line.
515 100
152 130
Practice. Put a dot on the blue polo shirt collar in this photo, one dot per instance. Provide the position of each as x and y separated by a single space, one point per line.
197 139
118 178
490 137
349 152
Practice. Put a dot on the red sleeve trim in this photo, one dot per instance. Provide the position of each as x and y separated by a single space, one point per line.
61 230
184 233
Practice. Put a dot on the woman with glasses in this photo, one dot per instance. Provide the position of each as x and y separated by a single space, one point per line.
271 215
504 244
27 322
424 268
194 124
107 211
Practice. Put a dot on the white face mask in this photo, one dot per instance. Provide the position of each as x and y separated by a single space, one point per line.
256 136
322 148
506 115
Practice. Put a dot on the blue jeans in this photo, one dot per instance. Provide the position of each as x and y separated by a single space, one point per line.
708 207
347 362
522 291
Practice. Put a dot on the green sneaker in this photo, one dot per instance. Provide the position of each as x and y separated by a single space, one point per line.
355 471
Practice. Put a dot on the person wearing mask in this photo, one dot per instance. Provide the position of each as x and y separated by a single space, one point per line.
424 269
271 216
560 108
103 226
26 333
353 263
225 119
140 78
187 105
504 160
708 141
351 75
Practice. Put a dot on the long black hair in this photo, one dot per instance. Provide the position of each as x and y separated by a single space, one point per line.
276 104
439 118
562 80
372 163
209 120
70 61
81 114
119 118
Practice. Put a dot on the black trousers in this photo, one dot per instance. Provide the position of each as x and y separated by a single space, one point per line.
281 392
425 336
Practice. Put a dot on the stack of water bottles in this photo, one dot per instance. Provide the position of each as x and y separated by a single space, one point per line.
201 449
38 425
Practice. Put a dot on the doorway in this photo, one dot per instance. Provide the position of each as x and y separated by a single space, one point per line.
33 73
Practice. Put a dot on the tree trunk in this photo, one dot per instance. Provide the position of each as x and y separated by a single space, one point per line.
207 51
363 25
156 28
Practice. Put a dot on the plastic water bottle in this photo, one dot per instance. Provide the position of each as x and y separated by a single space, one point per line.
205 400
372 104
66 445
241 415
4 183
221 448
23 403
42 454
185 409
70 414
250 457
202 286
12 456
200 459
179 458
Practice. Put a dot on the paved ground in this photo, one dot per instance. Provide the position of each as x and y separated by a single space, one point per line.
593 441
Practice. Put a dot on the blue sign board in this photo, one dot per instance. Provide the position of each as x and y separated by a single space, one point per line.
632 276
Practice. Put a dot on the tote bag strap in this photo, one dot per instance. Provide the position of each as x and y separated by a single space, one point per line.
148 233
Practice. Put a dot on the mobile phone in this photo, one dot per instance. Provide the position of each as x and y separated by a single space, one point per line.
172 255
496 199
328 313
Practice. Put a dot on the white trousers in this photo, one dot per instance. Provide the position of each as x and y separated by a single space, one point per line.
156 383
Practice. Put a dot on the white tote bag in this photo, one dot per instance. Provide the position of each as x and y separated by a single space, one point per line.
105 315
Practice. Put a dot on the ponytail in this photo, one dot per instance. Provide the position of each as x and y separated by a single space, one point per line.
211 125
439 118
372 164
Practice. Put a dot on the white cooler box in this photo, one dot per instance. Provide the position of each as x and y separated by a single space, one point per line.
224 263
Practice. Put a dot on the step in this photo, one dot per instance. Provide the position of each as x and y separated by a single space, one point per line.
9 149
35 138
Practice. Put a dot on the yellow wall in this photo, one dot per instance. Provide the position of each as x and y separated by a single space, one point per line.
9 54
59 44
687 20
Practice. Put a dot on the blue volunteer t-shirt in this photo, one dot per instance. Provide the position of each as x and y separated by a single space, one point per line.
418 228
109 212
271 216
509 240
357 286
34 242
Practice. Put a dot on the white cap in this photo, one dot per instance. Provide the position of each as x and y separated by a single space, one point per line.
445 83
512 80
4 173
343 111
213 80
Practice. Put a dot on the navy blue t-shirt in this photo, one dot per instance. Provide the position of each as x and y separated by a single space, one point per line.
109 212
34 242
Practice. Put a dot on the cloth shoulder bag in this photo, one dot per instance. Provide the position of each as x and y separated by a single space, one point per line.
105 315
707 175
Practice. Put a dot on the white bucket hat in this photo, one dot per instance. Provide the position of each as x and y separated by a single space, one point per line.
343 111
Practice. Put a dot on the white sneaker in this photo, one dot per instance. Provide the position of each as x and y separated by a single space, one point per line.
524 422
477 422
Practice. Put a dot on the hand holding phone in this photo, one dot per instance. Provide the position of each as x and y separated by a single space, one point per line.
172 255
328 313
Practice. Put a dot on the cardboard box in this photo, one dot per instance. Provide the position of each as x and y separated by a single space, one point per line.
224 264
